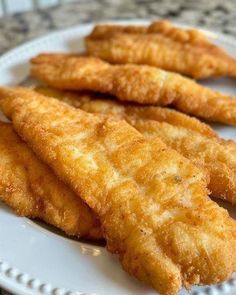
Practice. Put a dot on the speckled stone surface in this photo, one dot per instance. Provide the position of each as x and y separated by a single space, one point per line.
212 14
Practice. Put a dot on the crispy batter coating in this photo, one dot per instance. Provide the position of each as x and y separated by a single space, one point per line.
136 83
190 137
151 201
163 45
99 103
216 155
31 189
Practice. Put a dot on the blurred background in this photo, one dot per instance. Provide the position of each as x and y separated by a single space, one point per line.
21 20
14 6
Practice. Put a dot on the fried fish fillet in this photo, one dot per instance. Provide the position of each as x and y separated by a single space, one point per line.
190 137
99 103
152 202
31 189
136 83
163 45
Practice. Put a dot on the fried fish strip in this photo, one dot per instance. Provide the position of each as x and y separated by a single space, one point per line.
163 45
99 103
151 201
190 137
141 84
31 189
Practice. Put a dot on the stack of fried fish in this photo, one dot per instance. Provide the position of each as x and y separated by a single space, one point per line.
101 151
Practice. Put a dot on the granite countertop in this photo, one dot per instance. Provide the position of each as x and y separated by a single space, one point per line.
212 14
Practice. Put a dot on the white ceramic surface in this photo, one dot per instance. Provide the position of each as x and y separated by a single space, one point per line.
37 260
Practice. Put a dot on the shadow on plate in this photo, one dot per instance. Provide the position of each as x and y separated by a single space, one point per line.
60 233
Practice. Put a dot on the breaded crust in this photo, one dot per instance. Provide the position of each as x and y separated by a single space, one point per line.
190 137
163 45
31 189
100 103
152 202
136 83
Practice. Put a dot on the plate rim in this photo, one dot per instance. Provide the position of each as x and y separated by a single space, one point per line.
18 282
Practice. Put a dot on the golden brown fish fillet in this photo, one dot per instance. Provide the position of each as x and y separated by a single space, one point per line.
136 83
99 103
163 45
216 155
31 189
190 137
151 201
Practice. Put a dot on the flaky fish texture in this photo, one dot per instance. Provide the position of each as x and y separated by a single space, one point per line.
190 137
136 83
152 202
163 45
31 189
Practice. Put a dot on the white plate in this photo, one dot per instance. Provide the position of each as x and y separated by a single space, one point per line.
36 260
